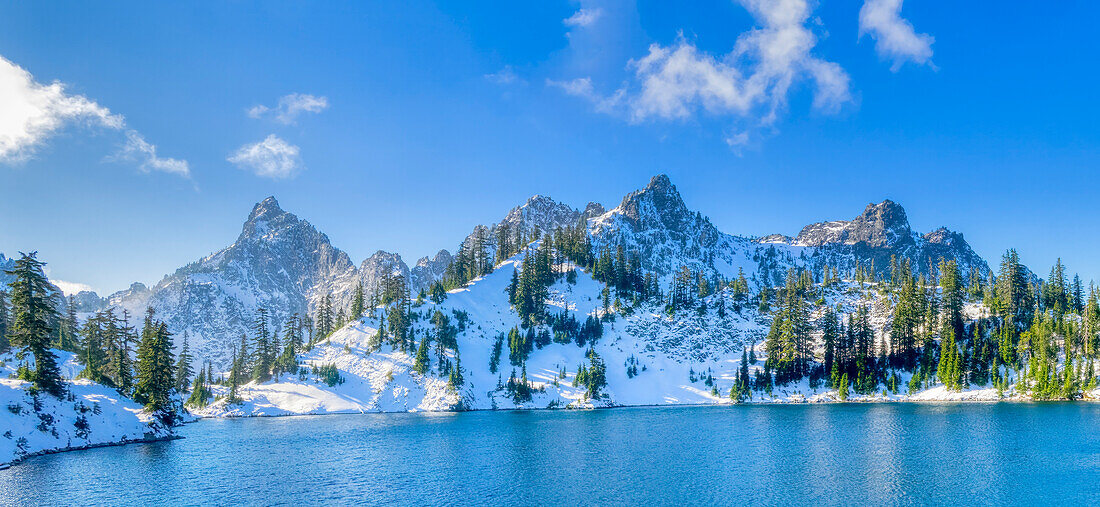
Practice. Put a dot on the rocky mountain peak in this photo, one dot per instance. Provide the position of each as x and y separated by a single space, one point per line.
657 205
266 217
593 210
944 236
265 210
881 224
886 215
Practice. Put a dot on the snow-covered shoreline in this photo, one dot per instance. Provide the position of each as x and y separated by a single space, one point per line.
88 416
46 452
932 396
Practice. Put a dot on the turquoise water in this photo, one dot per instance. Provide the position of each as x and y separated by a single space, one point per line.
824 454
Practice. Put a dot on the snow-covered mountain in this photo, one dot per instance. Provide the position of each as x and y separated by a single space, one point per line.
278 262
286 265
649 357
538 216
882 231
655 223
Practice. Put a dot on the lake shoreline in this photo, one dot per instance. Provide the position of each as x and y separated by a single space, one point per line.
859 401
124 441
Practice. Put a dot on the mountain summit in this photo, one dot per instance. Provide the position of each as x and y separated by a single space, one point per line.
879 225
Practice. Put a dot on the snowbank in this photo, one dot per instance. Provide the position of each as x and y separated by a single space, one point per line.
91 415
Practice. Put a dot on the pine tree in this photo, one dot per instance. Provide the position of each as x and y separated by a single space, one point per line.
200 392
357 303
263 356
5 316
421 364
69 329
950 368
235 374
1014 292
123 365
30 328
155 370
830 332
183 366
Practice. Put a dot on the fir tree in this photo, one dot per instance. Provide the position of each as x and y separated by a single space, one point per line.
421 364
30 328
155 370
5 316
263 356
183 366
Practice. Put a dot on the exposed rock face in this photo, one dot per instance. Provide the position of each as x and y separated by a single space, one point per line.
538 216
278 262
593 210
428 270
881 232
655 224
880 225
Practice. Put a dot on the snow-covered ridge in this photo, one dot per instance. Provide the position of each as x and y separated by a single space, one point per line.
90 415
285 264
651 358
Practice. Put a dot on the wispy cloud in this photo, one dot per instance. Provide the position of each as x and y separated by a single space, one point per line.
290 107
71 288
31 112
137 149
583 17
895 38
579 87
751 83
505 76
271 158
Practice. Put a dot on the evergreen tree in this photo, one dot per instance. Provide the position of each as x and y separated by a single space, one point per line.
830 332
155 370
94 353
30 328
1014 292
5 317
200 392
421 364
263 355
183 366
950 370
69 329
357 303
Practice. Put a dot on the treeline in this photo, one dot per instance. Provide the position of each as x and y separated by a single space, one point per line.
31 324
1040 336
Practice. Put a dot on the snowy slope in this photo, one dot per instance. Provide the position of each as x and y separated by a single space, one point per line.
286 265
92 416
674 357
41 424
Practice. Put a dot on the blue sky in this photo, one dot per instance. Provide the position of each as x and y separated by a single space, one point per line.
400 125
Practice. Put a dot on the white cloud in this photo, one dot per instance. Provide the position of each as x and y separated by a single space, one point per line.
289 107
71 288
31 112
580 87
895 38
583 17
139 150
271 158
505 76
752 82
